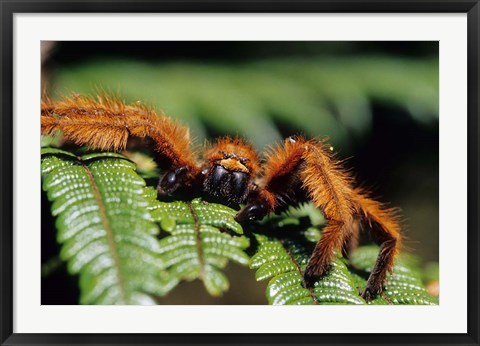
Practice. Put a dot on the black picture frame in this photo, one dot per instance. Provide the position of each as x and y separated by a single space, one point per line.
10 7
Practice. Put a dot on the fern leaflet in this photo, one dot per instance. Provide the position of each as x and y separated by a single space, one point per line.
284 262
200 243
282 256
106 232
404 286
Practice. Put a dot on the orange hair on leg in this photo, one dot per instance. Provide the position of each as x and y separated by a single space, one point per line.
385 227
330 187
107 123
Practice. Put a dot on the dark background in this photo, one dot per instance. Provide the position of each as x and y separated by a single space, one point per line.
396 153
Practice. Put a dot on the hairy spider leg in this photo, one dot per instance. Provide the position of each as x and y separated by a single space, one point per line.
301 170
386 231
107 123
353 240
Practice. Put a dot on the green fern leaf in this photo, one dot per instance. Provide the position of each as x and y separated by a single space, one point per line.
199 243
106 232
316 95
283 254
404 286
284 262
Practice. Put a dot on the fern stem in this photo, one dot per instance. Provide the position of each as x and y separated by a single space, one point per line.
299 269
108 231
198 239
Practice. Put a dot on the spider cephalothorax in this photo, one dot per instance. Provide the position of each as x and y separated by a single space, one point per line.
230 168
225 173
228 171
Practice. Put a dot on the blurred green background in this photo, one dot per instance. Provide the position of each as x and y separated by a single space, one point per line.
376 101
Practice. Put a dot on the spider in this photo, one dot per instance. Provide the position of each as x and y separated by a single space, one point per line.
229 170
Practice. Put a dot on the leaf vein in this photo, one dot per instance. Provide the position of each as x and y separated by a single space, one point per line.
108 230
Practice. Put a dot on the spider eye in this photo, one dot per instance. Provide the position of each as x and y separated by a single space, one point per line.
243 161
251 212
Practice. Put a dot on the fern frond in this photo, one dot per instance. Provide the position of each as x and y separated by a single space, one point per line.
284 261
283 254
106 232
313 96
200 243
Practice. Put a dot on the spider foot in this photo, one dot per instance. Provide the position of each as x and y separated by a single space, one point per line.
371 291
313 273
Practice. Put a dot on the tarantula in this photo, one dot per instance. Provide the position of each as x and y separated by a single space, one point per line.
295 171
